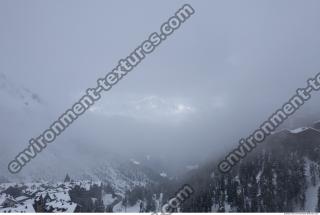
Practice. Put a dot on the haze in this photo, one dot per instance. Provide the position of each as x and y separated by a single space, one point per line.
212 82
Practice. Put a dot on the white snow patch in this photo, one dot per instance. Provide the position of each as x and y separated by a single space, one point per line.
135 162
26 207
163 174
298 130
258 177
3 197
61 206
312 191
108 199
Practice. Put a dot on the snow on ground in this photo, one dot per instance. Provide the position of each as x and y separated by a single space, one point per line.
227 207
119 181
26 207
68 207
61 201
5 186
108 199
312 191
2 198
214 208
55 194
119 208
59 198
21 198
87 184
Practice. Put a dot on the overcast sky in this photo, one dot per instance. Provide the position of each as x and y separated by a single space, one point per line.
216 79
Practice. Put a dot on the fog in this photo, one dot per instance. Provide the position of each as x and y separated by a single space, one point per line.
215 80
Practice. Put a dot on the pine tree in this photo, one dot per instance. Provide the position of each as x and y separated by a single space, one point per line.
318 205
67 178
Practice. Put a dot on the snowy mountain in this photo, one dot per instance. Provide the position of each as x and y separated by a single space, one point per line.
106 188
125 176
281 175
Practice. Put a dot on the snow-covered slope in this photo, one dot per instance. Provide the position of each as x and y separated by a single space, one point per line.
281 175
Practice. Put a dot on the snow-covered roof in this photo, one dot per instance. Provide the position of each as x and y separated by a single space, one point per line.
5 186
2 198
21 198
55 194
26 207
87 184
59 206
60 200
